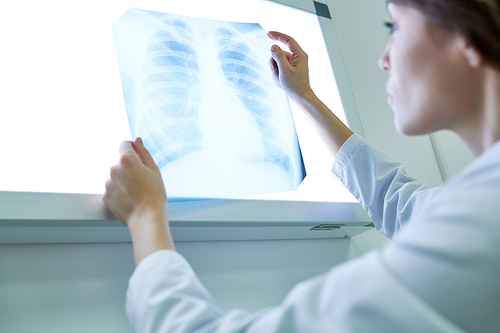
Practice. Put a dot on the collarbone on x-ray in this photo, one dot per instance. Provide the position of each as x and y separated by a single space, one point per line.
200 94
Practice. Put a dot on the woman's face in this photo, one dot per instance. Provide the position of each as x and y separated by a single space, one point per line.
429 85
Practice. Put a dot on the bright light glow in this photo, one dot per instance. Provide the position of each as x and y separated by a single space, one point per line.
63 112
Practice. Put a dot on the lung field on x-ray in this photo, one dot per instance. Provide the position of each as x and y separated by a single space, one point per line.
241 67
170 93
200 94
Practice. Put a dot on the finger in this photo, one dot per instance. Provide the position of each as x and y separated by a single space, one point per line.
106 198
293 46
112 171
279 57
144 154
126 147
289 57
108 185
128 157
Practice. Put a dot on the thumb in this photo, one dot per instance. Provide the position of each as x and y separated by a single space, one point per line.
279 56
143 153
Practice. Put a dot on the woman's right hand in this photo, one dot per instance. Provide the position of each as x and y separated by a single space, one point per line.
290 67
291 71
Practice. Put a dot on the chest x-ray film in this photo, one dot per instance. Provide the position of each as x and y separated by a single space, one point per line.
201 95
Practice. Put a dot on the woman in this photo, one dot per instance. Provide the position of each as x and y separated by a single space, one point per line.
441 273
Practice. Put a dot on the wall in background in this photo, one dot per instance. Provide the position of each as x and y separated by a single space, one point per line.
56 288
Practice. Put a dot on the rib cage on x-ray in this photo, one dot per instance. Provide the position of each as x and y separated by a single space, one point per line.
164 60
170 92
242 69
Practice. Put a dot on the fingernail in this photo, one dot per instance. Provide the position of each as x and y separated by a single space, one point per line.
139 140
275 48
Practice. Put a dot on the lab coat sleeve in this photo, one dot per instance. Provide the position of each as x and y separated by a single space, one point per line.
165 295
359 296
382 187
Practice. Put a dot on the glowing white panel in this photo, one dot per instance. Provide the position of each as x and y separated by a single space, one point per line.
63 112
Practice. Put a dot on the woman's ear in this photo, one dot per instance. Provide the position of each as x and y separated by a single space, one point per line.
474 58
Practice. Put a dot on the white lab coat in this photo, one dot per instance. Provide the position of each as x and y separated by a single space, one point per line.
441 273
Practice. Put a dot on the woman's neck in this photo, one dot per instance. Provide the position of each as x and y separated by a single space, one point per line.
482 130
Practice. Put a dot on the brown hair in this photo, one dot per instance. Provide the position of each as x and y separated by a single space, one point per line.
477 20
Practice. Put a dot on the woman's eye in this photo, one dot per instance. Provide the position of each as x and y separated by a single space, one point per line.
391 26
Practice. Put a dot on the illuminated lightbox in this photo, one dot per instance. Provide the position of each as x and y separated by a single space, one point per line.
76 83
201 95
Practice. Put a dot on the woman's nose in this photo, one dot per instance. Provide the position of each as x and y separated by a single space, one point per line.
383 62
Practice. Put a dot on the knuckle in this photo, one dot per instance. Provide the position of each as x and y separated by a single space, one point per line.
108 186
112 171
126 159
106 198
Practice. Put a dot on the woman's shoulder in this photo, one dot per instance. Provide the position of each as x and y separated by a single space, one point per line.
482 174
473 196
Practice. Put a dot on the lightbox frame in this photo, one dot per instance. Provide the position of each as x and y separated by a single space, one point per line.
33 217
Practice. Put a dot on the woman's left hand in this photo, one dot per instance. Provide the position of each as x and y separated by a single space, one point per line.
135 194
135 185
